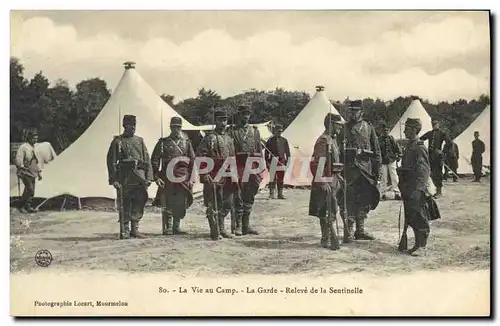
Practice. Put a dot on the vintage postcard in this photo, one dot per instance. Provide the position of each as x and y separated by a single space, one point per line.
250 163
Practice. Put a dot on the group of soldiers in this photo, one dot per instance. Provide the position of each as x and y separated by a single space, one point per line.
131 171
349 184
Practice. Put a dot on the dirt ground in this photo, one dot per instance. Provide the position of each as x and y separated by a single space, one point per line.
288 242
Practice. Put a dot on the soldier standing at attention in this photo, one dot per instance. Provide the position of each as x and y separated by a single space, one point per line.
247 144
28 170
130 172
390 153
173 196
414 174
476 159
361 158
436 138
277 148
323 194
217 194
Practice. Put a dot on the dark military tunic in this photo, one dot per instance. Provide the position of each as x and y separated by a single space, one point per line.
362 163
389 150
176 196
436 140
478 149
277 148
326 151
134 173
219 147
246 145
413 176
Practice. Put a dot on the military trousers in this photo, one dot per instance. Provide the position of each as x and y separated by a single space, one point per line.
218 199
358 199
416 217
134 200
174 202
477 166
436 163
29 190
244 199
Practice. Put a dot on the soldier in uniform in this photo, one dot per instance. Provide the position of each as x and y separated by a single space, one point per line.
217 194
360 154
277 148
130 172
173 196
437 138
247 145
323 194
391 154
28 170
414 174
478 149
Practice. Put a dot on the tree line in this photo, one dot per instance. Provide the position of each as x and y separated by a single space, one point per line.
62 114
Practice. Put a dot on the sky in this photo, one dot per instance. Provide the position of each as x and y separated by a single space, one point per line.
435 55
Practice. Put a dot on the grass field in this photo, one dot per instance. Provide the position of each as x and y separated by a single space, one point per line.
288 242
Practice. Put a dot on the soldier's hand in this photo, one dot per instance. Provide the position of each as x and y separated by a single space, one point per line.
117 185
159 182
39 177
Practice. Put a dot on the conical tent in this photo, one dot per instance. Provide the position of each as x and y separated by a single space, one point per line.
464 141
414 111
302 134
81 170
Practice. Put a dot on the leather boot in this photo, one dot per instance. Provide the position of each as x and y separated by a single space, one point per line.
245 226
439 193
126 231
324 233
222 229
134 233
417 242
176 227
271 190
360 233
280 192
238 231
166 222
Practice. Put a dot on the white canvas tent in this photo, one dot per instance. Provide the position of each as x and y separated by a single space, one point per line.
464 141
302 134
81 170
415 110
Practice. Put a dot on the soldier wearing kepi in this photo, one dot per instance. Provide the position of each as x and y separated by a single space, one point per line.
172 161
277 149
322 202
217 194
414 174
130 172
247 145
362 160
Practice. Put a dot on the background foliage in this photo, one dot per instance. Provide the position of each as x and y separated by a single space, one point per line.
62 114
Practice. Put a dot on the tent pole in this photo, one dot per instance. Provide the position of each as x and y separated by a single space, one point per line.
64 203
79 203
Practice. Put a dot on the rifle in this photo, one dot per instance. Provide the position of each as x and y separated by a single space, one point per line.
160 166
345 218
334 241
403 241
119 173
